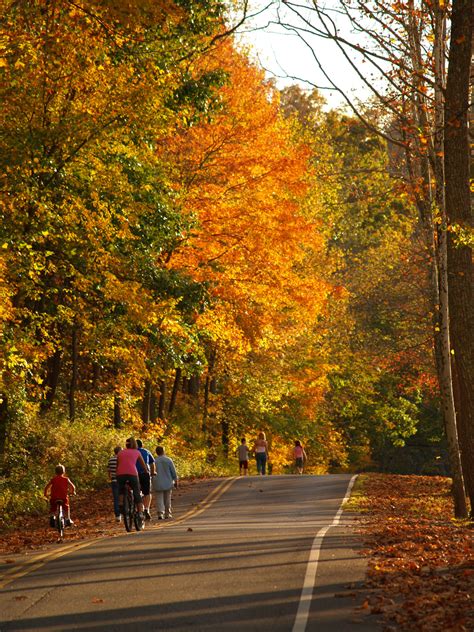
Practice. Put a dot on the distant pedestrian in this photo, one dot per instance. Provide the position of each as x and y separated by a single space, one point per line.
299 456
112 470
260 449
144 477
243 452
163 481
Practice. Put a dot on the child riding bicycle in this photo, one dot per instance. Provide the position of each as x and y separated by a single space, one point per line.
58 488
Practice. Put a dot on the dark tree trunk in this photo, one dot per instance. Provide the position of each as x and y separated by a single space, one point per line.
189 384
225 437
208 387
206 404
459 215
95 377
162 401
117 411
4 421
193 385
146 401
53 369
174 391
439 276
153 406
73 383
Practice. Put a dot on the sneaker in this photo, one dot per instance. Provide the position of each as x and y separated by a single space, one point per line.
160 517
68 522
52 521
147 514
118 518
168 516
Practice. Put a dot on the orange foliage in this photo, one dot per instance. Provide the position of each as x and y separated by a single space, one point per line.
244 177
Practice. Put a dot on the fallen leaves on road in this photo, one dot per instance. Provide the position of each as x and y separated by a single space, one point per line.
421 567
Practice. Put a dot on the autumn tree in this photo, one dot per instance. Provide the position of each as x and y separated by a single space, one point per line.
460 221
381 343
257 243
86 91
399 56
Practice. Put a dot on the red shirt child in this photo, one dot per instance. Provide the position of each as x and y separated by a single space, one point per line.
59 487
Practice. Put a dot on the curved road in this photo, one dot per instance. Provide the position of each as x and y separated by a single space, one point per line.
261 553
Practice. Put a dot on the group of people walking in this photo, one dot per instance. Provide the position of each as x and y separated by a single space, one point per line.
147 475
260 450
155 477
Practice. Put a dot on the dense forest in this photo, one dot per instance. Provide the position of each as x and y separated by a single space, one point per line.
191 255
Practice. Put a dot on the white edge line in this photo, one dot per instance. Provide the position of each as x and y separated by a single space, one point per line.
310 578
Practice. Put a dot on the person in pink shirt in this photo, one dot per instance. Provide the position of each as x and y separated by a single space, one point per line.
127 471
299 456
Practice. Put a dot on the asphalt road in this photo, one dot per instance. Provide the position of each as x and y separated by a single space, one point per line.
261 553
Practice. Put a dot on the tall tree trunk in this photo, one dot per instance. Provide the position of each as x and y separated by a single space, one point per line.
459 215
441 334
225 437
208 386
73 383
174 391
4 423
162 400
95 376
53 368
205 410
153 406
146 402
117 411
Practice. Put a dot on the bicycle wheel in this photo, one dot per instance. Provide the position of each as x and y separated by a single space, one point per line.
128 509
60 521
139 522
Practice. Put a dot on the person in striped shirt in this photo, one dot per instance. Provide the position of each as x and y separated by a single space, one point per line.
112 470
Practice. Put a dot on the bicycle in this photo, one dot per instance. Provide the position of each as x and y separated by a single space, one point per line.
59 520
131 515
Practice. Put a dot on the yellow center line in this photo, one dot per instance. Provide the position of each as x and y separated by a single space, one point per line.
28 566
205 504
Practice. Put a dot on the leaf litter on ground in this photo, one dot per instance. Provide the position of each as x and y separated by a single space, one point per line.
421 560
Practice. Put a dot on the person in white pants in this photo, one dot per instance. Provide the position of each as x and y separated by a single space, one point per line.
163 481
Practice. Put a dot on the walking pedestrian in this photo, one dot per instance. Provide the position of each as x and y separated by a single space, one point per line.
299 456
112 470
163 481
243 452
260 449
